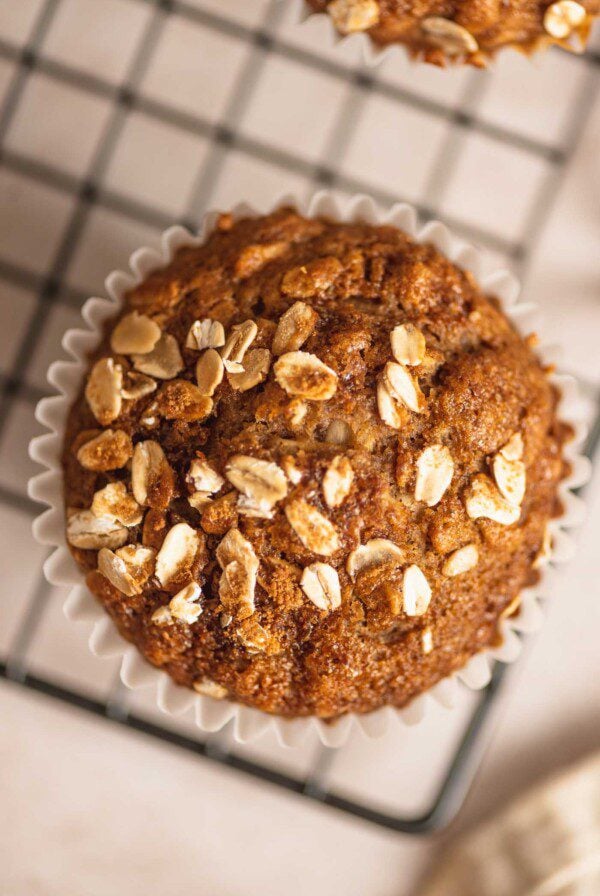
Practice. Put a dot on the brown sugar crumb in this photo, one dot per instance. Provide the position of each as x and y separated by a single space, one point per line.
107 450
252 258
311 278
469 31
312 466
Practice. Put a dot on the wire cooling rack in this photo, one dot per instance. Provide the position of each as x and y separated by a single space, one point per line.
231 100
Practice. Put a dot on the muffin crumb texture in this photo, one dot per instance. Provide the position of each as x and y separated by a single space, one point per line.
311 467
470 31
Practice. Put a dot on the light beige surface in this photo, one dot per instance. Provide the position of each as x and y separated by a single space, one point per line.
87 807
546 843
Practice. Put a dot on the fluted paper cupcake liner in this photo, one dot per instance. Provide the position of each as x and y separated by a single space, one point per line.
49 528
365 48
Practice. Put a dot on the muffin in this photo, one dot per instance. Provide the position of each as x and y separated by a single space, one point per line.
311 466
466 30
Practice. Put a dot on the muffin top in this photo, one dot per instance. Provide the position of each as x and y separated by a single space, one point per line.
470 31
311 466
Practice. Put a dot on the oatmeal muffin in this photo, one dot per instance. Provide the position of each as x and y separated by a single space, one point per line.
311 467
470 31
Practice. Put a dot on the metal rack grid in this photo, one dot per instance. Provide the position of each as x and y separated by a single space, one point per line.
224 137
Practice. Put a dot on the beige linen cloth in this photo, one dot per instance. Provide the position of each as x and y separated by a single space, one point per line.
547 843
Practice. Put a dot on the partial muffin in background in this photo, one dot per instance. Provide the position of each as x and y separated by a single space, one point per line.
312 466
469 31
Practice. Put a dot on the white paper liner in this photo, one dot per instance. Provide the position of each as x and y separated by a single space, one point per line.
360 42
60 568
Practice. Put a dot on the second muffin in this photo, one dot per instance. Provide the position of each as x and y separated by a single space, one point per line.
464 30
312 466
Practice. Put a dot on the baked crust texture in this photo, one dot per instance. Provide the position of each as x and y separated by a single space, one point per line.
464 31
311 466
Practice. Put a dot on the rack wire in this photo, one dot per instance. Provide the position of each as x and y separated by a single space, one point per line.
224 136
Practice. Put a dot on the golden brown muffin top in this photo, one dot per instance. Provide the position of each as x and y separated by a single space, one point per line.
440 31
311 467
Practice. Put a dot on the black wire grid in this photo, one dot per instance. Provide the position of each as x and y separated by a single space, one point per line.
224 137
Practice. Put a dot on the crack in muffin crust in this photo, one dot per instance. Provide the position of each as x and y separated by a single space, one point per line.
296 545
